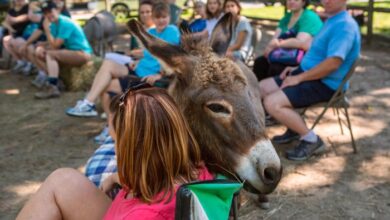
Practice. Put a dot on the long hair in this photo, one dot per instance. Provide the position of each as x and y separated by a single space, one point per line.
154 145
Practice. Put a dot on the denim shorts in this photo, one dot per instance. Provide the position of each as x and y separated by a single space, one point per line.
306 93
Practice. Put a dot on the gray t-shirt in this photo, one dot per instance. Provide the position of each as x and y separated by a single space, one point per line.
242 25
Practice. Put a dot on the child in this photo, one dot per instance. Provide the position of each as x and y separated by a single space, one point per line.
66 44
241 39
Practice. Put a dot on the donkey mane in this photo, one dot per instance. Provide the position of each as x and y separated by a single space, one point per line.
223 71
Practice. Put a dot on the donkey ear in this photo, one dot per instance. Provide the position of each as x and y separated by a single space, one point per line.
174 58
222 33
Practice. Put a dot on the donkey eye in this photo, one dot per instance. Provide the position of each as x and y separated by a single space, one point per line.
217 108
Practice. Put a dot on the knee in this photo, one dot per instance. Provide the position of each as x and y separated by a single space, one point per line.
60 176
271 104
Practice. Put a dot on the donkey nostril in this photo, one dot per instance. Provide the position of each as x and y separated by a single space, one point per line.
271 175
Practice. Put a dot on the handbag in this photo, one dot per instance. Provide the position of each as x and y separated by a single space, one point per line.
286 56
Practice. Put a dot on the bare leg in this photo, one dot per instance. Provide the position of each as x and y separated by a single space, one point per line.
267 86
280 108
66 194
40 58
52 66
114 86
16 45
106 73
7 43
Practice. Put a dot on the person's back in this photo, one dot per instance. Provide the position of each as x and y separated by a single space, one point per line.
339 37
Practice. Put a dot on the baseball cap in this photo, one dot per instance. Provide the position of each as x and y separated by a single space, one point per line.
47 6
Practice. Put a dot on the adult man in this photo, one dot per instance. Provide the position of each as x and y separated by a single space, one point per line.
66 44
331 55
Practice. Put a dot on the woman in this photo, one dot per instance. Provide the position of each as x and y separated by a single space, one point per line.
241 38
156 153
304 23
213 13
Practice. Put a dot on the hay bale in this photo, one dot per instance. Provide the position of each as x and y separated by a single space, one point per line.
80 78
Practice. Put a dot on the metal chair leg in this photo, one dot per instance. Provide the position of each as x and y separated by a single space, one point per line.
339 119
350 130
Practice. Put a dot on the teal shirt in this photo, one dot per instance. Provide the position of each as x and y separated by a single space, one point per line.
148 65
72 34
309 22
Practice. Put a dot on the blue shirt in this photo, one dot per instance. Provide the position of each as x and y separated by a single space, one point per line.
339 37
148 65
72 34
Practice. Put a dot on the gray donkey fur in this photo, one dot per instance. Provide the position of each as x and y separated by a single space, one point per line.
221 101
101 31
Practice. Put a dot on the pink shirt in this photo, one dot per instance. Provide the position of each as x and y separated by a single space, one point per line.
122 208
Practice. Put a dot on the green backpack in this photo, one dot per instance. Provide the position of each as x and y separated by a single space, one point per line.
204 200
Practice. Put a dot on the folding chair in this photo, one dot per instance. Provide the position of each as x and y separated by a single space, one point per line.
256 38
207 200
338 102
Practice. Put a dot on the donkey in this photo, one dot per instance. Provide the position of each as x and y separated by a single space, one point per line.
220 99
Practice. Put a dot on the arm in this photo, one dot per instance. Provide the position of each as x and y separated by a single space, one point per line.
34 36
320 71
302 41
8 26
53 42
273 43
239 42
14 20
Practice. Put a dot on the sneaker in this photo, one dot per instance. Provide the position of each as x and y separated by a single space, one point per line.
82 109
102 137
17 68
39 81
26 70
285 138
48 91
305 150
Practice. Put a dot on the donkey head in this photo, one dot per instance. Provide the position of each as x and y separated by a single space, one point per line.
221 101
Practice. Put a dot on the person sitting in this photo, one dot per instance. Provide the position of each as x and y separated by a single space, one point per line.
214 11
66 44
135 52
37 37
331 55
156 153
114 77
241 38
295 31
14 25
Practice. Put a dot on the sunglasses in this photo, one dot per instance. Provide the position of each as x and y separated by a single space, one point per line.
134 86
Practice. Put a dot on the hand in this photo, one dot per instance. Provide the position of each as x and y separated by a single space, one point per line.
287 71
229 54
108 184
151 79
40 52
290 81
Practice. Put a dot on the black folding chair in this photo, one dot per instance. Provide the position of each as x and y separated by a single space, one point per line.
339 102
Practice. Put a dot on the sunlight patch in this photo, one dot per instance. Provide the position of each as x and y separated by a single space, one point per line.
10 91
321 173
26 189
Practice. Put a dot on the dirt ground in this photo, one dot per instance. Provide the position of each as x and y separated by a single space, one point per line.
36 137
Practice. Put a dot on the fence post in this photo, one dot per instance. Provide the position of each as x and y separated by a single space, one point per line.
370 21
